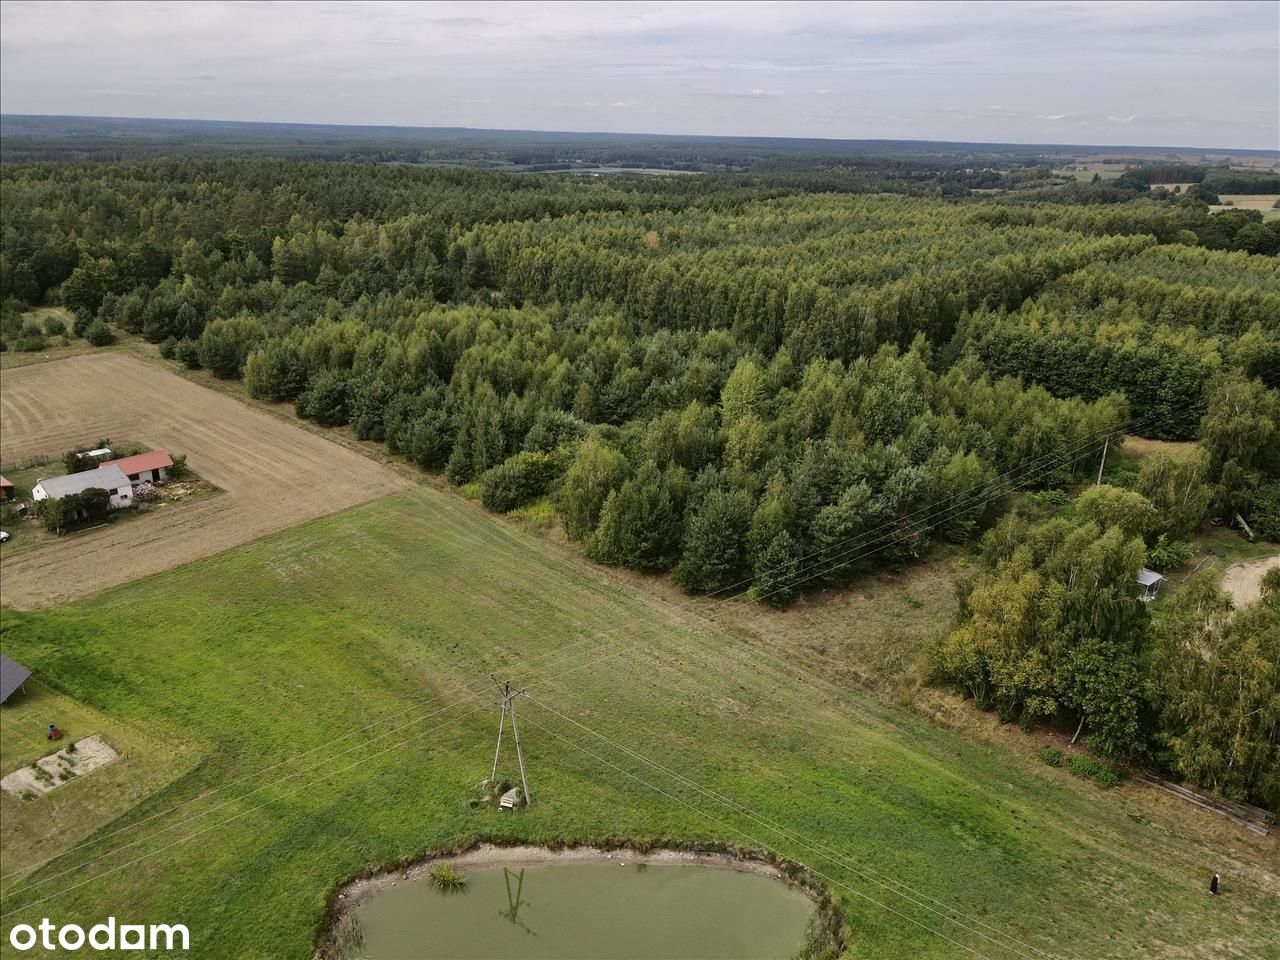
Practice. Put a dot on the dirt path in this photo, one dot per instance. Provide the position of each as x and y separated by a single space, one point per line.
1244 580
275 474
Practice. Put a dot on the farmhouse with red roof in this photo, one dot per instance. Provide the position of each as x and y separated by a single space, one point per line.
152 465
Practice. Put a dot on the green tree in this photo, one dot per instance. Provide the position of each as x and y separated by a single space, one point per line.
98 334
596 471
777 571
714 552
1217 675
639 523
1116 507
225 345
1179 490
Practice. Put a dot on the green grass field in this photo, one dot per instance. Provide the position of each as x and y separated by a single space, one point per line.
330 640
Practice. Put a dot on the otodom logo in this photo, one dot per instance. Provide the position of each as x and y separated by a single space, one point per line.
109 935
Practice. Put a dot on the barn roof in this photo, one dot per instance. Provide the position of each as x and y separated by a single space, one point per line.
7 484
151 460
106 478
12 676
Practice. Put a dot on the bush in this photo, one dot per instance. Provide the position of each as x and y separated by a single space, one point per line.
80 324
1108 777
1083 765
1051 498
168 346
29 343
98 334
516 481
1051 756
1104 774
75 461
187 352
54 326
1166 554
179 470
87 506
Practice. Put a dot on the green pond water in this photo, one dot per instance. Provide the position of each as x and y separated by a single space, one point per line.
588 911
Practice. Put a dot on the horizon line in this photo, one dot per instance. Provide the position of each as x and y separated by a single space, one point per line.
1264 151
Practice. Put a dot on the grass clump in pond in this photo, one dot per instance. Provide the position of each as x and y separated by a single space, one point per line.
445 876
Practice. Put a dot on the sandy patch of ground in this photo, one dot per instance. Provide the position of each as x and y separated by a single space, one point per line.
1244 580
275 474
72 761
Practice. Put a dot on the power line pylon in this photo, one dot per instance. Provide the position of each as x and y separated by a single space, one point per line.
508 704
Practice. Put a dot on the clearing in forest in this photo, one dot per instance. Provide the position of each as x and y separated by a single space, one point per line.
275 474
1244 580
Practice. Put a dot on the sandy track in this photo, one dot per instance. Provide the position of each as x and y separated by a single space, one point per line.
275 474
1244 580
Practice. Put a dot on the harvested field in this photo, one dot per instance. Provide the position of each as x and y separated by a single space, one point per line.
275 474
1263 203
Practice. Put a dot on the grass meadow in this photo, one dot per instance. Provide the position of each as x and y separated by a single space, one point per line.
349 658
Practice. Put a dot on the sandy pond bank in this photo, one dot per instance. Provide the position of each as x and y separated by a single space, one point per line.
356 892
347 898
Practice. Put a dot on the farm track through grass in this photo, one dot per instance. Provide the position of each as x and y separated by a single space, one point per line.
298 641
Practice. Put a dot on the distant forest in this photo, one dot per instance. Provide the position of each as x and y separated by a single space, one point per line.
766 380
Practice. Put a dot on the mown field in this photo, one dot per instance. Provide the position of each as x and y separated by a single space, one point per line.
311 681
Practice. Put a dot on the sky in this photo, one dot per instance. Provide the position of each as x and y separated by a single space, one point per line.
1115 73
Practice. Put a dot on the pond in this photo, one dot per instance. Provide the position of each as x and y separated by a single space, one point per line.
587 911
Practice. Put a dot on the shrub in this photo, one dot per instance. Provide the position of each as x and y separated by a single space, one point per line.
167 347
58 515
1051 498
75 461
516 481
179 470
54 326
187 352
99 334
1165 554
445 876
81 322
1051 756
1083 765
29 343
1108 777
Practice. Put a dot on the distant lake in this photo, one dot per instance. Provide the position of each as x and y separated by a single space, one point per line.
588 911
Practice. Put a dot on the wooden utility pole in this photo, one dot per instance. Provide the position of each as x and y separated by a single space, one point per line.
508 704
1104 458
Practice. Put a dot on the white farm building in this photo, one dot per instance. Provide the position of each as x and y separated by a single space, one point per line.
111 479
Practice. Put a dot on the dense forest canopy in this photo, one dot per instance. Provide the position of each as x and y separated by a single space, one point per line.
770 381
